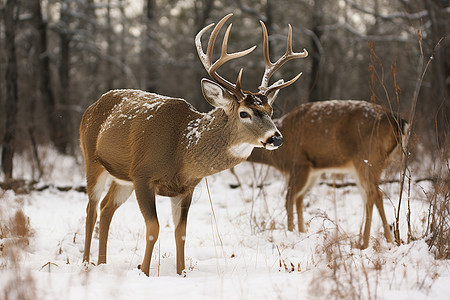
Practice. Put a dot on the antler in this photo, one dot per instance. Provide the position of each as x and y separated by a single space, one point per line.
206 59
272 67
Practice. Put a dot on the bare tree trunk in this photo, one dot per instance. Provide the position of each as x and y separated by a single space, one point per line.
46 95
203 10
269 23
440 27
64 132
44 73
149 53
123 36
110 47
202 13
314 84
12 97
267 19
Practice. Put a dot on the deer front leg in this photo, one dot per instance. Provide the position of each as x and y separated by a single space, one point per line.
290 207
299 206
145 196
180 208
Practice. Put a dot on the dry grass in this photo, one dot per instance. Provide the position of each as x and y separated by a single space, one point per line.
438 228
15 232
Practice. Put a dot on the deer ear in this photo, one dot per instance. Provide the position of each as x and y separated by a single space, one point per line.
216 95
273 94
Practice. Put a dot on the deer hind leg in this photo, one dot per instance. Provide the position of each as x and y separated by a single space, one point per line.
116 196
145 195
368 199
372 195
180 209
367 223
379 204
95 177
368 184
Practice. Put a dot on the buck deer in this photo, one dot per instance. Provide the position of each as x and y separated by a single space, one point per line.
160 145
353 137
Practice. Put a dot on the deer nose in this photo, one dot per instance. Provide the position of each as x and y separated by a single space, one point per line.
275 140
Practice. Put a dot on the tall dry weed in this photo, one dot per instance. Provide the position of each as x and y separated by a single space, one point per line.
15 232
438 227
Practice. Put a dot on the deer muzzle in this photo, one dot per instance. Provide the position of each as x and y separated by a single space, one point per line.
274 141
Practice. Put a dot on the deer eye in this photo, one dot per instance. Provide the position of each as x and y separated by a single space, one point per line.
244 114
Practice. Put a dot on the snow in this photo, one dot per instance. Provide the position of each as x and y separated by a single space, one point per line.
134 103
196 127
337 107
237 245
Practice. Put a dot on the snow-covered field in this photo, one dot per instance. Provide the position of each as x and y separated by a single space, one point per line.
237 246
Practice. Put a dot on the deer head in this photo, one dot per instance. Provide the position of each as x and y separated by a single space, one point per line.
253 110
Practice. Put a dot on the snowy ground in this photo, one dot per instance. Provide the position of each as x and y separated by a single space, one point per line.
237 246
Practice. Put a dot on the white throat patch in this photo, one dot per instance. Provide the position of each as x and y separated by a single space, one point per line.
241 150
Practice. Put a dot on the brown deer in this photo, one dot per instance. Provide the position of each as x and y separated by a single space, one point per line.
339 136
161 145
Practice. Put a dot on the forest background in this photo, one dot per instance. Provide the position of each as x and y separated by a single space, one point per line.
58 57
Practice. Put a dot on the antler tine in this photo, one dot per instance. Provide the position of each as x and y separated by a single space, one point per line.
198 43
282 84
224 57
238 81
206 58
267 62
270 67
212 38
289 41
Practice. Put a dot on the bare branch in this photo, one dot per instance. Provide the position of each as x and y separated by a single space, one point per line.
362 36
395 15
250 11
